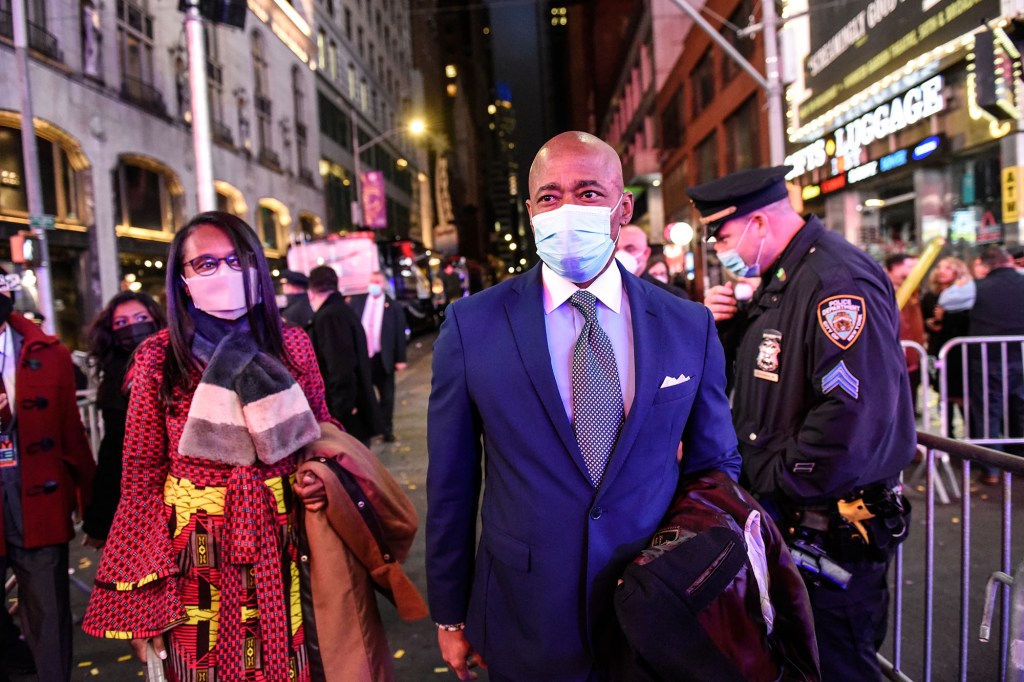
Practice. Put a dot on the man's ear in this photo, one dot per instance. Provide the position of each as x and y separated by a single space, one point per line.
627 208
760 223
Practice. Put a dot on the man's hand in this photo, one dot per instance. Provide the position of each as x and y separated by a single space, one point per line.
139 647
458 653
399 366
721 300
311 491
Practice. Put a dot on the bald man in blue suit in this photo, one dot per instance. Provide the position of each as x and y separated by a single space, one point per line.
532 598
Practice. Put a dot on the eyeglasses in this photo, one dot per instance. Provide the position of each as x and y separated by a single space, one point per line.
207 265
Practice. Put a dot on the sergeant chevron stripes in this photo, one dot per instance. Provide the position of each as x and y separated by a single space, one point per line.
841 377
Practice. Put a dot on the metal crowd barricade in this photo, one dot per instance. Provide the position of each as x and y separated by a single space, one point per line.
990 366
1011 663
91 418
992 375
945 467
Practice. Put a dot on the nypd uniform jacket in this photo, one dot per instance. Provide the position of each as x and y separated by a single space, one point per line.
822 402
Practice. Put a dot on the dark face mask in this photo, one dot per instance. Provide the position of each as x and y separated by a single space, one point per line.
6 306
130 336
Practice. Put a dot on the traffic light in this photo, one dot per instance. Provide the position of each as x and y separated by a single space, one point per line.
230 12
25 249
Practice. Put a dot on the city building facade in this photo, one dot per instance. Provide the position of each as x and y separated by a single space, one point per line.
905 123
110 93
366 98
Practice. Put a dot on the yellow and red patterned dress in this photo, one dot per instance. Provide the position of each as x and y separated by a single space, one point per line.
196 540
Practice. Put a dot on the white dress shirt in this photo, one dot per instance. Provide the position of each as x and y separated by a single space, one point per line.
563 324
373 317
9 363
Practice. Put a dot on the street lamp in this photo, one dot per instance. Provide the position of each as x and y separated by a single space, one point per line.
415 128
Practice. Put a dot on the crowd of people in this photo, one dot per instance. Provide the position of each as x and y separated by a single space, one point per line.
960 301
674 490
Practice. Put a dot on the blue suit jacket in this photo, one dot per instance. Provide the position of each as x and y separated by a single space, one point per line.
536 591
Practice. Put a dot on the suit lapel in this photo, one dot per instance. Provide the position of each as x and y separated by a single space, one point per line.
525 312
645 343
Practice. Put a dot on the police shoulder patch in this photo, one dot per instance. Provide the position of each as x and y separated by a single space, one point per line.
842 318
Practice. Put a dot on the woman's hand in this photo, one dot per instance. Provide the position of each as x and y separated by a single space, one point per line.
311 491
139 647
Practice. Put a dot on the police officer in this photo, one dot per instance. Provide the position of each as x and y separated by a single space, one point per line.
822 403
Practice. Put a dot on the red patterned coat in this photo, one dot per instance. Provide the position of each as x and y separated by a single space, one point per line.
147 578
53 447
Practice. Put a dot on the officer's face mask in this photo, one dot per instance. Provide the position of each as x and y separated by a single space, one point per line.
732 261
575 241
375 290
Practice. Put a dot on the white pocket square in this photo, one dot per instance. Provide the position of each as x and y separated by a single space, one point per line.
672 381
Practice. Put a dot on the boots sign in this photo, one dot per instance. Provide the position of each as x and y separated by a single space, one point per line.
915 105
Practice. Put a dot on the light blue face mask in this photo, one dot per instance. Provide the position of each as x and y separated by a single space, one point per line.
575 241
732 261
375 290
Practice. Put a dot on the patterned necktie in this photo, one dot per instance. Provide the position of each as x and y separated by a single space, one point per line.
597 409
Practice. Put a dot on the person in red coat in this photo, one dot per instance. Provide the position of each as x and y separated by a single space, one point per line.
46 475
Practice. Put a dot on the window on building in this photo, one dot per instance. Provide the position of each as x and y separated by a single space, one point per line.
373 55
269 225
707 159
215 86
182 93
333 123
310 226
351 81
146 195
742 17
59 179
338 194
135 53
359 41
264 108
742 131
672 122
330 7
332 60
230 199
39 38
702 83
298 97
321 50
348 24
364 95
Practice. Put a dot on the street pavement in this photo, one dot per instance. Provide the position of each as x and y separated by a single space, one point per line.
414 645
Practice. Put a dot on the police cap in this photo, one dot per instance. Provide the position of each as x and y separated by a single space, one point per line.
296 278
738 194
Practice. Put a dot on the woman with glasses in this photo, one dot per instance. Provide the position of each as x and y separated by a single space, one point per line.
127 320
201 560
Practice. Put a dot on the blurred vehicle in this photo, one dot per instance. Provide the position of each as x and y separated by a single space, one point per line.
412 271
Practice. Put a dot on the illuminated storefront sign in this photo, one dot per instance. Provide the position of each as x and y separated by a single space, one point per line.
855 43
917 104
833 184
809 192
889 162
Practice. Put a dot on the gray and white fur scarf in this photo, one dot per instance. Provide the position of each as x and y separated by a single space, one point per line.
247 406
